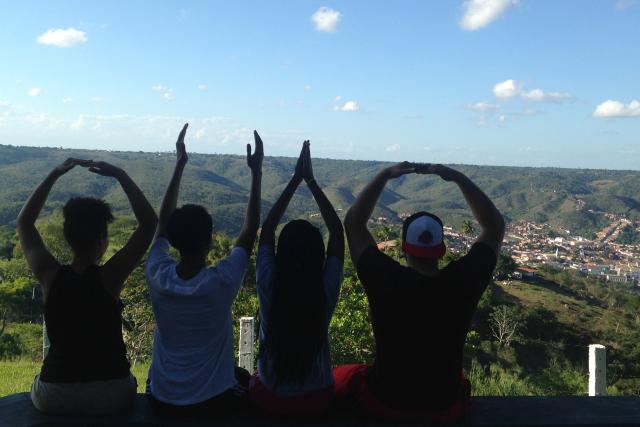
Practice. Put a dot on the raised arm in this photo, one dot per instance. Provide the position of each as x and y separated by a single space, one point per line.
355 221
252 218
331 219
268 233
170 200
117 269
41 262
490 219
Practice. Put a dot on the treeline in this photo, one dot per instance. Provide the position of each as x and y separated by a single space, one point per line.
526 338
564 198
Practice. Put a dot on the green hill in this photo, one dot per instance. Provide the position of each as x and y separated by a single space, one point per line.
567 198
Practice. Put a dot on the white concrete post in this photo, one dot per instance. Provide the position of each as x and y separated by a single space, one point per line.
597 370
245 347
45 341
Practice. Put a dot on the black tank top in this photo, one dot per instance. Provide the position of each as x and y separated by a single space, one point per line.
84 328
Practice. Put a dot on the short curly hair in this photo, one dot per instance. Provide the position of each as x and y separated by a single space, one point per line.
190 228
86 221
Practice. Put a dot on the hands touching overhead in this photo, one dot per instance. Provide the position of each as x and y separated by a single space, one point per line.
69 164
99 168
444 172
304 169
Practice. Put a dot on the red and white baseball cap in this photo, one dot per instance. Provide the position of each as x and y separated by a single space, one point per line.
423 236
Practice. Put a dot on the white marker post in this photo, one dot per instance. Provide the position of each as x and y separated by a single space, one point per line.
45 341
245 347
597 370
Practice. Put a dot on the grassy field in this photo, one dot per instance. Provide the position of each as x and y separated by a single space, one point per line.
17 376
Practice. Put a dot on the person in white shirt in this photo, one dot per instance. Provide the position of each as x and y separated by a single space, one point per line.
193 366
298 288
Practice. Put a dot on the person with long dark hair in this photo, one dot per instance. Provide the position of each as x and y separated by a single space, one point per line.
298 288
86 369
193 366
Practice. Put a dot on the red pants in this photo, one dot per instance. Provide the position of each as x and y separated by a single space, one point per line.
311 403
353 390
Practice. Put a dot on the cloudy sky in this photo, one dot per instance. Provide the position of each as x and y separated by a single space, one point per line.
500 82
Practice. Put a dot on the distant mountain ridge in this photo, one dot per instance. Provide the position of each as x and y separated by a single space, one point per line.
564 198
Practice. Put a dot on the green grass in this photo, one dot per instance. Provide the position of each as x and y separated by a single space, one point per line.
17 376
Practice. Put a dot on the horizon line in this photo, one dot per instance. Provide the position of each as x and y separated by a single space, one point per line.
320 158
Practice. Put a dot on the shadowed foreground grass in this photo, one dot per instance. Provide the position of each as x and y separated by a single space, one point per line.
17 376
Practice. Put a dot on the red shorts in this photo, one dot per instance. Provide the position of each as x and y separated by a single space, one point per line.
351 387
311 403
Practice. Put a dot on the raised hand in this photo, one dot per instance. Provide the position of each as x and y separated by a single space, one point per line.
299 170
400 169
307 169
255 160
181 150
69 164
442 171
104 169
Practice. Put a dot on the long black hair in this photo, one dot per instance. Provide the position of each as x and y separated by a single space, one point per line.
298 320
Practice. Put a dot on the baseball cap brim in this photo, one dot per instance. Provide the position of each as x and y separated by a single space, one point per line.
437 251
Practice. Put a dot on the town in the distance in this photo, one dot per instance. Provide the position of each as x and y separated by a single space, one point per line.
532 245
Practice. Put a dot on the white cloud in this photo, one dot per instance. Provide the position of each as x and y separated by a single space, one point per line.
348 106
63 38
78 124
511 89
391 148
66 100
167 94
35 91
200 133
326 19
307 88
611 108
483 107
480 13
624 4
502 118
540 95
97 99
507 89
337 98
203 87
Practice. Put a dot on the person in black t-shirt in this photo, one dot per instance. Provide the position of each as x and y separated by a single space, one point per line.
420 314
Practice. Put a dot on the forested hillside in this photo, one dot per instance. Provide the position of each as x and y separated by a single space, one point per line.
567 198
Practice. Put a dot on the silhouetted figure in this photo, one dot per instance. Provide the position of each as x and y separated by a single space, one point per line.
86 369
298 289
193 366
420 314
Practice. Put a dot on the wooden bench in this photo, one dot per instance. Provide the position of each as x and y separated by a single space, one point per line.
17 410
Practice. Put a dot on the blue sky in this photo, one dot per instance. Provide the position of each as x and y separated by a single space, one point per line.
500 82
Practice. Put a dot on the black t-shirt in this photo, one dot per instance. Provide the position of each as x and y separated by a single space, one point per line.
84 328
420 324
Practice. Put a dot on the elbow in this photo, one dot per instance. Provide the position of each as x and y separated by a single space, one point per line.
22 221
349 219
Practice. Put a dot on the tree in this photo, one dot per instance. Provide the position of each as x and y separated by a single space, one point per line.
468 229
505 322
137 317
505 266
